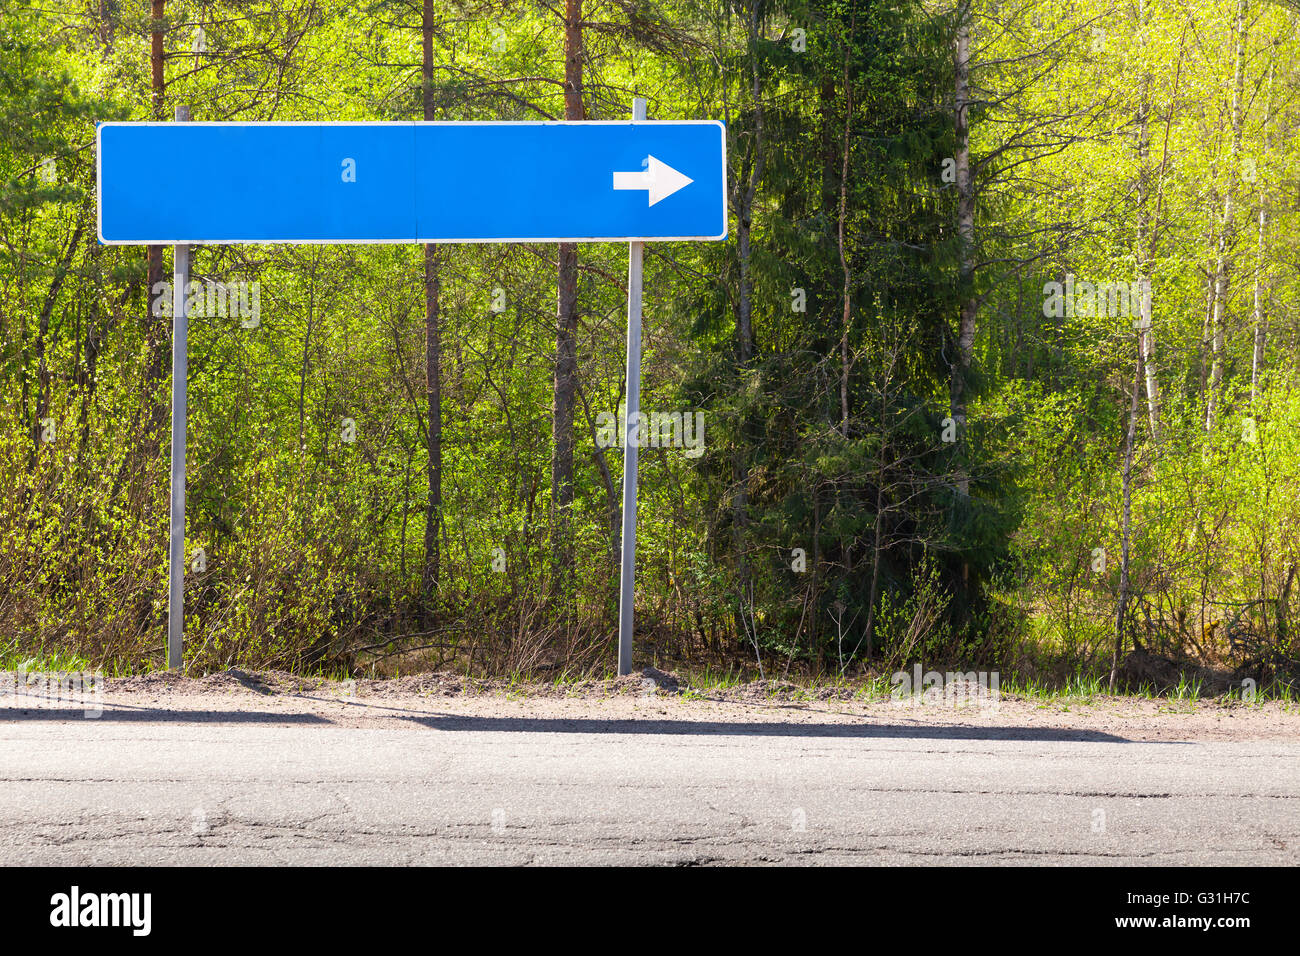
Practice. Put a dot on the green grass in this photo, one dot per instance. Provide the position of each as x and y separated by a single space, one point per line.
1187 690
1288 696
713 679
53 661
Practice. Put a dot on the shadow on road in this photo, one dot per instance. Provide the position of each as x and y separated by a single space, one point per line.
118 713
153 715
703 728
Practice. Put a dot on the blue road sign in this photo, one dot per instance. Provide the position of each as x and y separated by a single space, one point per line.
164 183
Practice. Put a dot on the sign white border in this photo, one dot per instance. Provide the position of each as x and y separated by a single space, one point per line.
199 240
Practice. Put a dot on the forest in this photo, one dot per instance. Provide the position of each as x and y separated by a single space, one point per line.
994 368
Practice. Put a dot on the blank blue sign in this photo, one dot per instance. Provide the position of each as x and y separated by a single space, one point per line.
164 183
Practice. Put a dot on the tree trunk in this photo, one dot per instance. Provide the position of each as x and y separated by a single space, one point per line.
746 190
965 232
1145 244
1126 524
1261 319
846 318
432 352
90 362
157 327
1218 318
566 321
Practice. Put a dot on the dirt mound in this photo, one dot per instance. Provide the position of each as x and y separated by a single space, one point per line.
649 681
783 691
425 685
157 680
231 679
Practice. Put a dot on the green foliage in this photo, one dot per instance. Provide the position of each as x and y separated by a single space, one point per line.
838 517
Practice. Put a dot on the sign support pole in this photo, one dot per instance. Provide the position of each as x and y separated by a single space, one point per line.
180 409
627 572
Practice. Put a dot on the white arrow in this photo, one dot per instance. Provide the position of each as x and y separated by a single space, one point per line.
660 179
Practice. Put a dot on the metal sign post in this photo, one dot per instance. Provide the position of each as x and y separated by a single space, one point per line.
631 437
180 409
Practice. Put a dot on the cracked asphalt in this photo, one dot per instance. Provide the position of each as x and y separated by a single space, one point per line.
239 777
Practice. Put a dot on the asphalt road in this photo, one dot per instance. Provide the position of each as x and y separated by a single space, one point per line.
143 786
